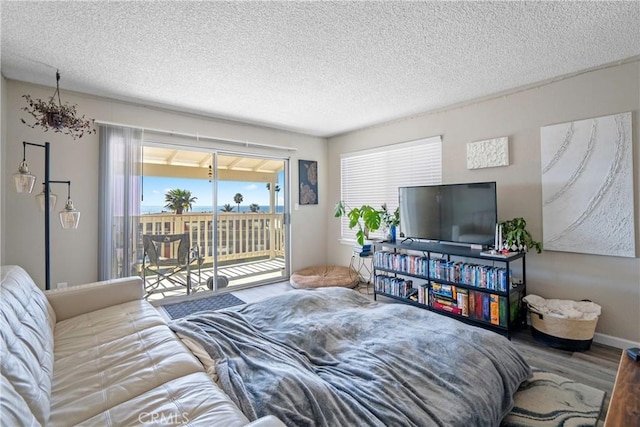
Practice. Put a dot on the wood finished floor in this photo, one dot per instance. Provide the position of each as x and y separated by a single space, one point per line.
596 367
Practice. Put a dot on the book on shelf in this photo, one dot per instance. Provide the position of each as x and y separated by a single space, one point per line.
450 299
448 291
503 311
463 302
494 309
486 307
448 308
423 294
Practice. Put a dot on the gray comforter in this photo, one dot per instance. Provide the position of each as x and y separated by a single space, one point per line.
332 357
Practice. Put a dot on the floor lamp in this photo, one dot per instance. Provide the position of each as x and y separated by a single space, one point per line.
69 216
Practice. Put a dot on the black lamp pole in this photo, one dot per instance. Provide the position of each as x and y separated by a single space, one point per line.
69 217
47 215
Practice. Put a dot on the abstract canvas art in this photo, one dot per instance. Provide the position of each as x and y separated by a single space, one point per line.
587 186
308 171
488 154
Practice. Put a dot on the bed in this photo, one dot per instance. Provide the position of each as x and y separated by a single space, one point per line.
332 357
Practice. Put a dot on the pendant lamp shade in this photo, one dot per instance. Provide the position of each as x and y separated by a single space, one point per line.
23 179
69 216
40 200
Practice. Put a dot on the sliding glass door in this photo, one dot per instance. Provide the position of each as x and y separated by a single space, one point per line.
233 207
251 234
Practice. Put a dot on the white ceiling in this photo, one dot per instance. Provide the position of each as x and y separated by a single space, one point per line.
320 68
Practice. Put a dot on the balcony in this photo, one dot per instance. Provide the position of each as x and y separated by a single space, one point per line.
250 246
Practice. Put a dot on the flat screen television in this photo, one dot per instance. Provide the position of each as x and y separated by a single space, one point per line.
460 213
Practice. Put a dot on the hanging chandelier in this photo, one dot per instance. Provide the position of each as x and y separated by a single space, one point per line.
57 116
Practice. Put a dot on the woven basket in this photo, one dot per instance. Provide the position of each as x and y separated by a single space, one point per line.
571 329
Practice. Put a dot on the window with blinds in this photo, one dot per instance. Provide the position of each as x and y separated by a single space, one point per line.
372 177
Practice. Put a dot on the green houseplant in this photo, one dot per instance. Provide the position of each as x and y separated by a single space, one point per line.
391 220
366 218
515 234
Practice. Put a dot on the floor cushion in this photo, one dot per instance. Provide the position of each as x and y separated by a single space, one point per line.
325 275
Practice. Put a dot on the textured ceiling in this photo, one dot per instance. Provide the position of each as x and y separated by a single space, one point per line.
320 68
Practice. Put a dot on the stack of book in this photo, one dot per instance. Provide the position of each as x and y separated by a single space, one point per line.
364 250
449 298
393 286
493 308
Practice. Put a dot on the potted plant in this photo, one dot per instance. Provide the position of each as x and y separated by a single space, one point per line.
391 220
365 218
57 116
516 236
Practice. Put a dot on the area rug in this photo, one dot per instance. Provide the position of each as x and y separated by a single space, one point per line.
216 302
551 400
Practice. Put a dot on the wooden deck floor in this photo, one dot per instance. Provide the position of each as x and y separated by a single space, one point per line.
239 275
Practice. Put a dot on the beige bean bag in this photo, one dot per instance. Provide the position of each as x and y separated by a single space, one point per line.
325 275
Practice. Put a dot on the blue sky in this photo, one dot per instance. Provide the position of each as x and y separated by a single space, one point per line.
253 192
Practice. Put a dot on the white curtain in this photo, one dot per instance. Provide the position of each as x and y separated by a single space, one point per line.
119 241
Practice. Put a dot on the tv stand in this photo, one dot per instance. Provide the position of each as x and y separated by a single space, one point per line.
440 278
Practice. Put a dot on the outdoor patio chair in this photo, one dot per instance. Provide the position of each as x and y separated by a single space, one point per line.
170 258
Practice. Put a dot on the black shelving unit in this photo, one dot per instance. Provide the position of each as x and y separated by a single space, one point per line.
462 254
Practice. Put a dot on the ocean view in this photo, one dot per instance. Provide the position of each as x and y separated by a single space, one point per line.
150 209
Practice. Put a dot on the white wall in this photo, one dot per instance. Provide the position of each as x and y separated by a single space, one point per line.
3 174
74 253
612 282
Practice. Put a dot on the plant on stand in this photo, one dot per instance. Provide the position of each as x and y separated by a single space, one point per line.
517 237
365 218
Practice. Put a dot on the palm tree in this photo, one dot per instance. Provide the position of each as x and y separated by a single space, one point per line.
227 208
277 190
179 200
238 199
254 207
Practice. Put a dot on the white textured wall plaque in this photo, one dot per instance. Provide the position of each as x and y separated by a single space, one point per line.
587 186
488 154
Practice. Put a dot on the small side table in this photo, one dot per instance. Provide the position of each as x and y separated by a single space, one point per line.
363 265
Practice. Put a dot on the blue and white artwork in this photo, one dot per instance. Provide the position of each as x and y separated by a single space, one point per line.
308 182
587 186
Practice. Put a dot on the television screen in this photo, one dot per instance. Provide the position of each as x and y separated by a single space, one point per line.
461 213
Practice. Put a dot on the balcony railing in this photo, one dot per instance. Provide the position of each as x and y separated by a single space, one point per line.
240 235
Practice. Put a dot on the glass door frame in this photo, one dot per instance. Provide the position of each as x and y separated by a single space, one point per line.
286 217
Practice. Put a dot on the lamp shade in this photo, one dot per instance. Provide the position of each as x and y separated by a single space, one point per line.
23 179
40 197
69 216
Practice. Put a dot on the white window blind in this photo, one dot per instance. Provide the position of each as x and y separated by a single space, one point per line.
372 177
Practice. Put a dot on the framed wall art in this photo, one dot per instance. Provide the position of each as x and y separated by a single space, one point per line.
488 153
308 182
